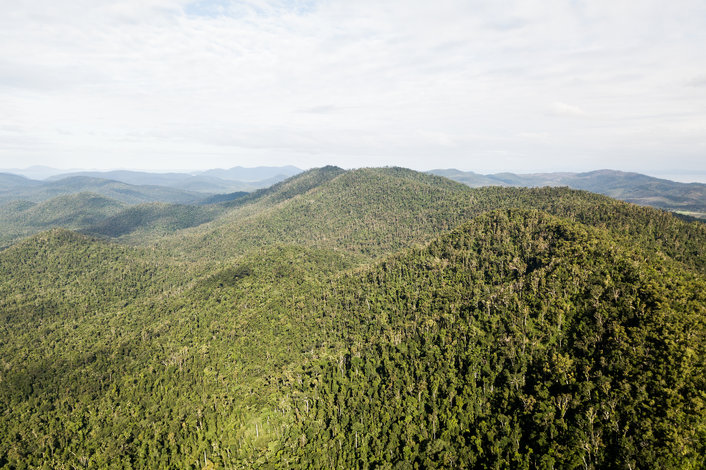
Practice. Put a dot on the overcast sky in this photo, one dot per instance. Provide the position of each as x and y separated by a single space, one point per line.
539 85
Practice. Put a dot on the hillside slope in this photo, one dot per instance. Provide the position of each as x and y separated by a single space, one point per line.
12 182
519 340
147 221
366 212
197 182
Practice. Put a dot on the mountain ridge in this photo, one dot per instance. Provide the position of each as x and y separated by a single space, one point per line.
688 198
109 188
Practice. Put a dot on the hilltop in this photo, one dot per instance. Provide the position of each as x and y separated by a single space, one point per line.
223 207
366 212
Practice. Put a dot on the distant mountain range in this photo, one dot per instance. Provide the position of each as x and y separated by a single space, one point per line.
120 203
686 198
137 187
260 173
211 181
210 185
13 188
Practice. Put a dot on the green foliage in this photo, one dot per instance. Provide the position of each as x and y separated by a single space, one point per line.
370 318
369 211
519 340
378 211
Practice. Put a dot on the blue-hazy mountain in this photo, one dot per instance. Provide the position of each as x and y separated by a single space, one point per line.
207 182
689 198
259 173
12 189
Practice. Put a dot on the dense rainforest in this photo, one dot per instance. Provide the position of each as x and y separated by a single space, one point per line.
374 318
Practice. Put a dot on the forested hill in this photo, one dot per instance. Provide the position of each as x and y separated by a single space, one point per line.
372 212
517 341
376 318
365 212
369 210
94 214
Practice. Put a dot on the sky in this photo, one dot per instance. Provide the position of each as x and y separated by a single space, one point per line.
486 86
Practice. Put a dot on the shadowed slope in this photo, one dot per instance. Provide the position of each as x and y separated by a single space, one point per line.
74 211
518 340
146 221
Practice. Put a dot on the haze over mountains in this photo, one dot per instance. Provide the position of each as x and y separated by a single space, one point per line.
210 181
632 187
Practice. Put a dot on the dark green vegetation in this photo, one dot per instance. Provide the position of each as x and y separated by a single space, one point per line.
95 214
155 219
520 340
640 189
377 318
178 190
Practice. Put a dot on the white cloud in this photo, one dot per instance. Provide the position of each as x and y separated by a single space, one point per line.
566 110
698 81
453 83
